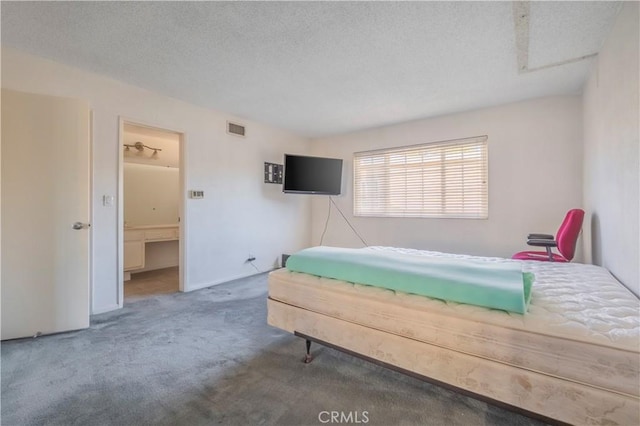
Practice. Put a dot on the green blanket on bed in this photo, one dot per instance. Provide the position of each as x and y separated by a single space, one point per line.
493 285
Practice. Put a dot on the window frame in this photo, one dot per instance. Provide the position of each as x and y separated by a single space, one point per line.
478 186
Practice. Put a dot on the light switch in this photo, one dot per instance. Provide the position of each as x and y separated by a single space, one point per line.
107 200
196 194
273 173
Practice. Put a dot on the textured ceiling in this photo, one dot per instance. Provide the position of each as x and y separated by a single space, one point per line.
321 68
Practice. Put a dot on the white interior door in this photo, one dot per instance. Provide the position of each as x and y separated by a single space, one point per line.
45 190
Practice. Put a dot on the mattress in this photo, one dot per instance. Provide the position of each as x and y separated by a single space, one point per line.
582 325
492 285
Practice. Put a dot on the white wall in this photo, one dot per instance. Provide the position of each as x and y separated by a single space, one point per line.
611 153
240 215
151 195
535 176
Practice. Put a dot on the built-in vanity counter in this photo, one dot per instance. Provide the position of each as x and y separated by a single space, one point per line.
136 239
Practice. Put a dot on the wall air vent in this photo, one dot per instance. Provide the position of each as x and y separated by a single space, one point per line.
235 129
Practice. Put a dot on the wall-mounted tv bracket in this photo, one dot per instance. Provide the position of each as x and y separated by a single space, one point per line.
273 173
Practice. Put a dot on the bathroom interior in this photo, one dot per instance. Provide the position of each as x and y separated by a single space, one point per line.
151 184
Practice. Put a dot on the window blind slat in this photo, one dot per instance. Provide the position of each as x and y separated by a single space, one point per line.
441 179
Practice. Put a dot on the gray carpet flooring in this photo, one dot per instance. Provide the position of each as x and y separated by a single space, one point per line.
209 358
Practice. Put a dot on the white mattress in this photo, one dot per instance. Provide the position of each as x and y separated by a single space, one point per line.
582 325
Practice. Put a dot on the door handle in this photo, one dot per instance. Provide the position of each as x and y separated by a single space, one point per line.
80 225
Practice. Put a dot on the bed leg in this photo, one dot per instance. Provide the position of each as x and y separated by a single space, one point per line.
308 358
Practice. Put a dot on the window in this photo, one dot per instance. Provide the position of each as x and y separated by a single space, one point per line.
438 180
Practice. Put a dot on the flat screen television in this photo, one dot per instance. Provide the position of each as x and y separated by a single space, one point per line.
312 175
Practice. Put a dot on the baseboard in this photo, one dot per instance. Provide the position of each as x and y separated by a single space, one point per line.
104 309
223 281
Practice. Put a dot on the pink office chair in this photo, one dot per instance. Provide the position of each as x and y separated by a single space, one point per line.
565 241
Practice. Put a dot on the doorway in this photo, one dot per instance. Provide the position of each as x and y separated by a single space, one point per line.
151 208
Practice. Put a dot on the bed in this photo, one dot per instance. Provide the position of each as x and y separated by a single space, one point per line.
574 357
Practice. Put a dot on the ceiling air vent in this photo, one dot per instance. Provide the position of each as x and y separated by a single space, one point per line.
235 129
